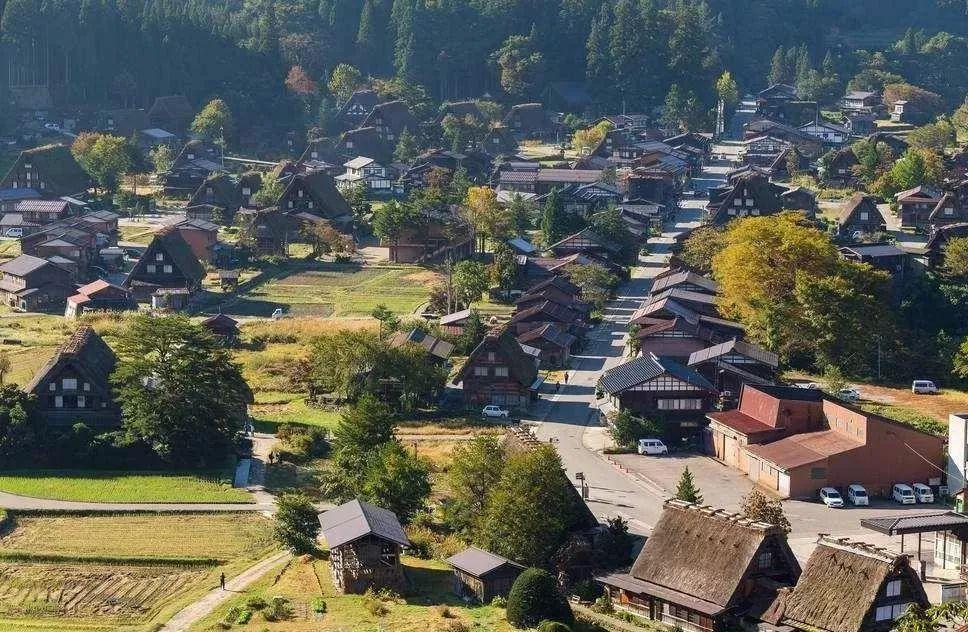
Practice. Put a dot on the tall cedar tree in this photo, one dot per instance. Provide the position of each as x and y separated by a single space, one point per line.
686 489
180 391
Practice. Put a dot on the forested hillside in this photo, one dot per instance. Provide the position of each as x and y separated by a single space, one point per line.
125 52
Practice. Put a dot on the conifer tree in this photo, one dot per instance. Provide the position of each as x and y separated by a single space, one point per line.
686 489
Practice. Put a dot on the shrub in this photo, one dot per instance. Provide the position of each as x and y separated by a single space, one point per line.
277 610
534 597
499 602
552 626
244 616
318 605
456 625
296 523
374 606
603 604
587 590
255 603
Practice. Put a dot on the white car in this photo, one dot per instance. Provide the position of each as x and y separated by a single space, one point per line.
495 412
857 496
811 385
849 394
923 493
277 313
831 497
14 232
54 127
903 494
924 387
652 447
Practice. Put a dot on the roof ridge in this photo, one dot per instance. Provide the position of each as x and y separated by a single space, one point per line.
722 515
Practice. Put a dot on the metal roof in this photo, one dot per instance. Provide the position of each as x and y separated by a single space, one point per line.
645 368
357 519
935 521
478 562
751 351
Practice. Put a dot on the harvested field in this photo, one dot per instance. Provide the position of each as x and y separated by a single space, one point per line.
120 593
120 487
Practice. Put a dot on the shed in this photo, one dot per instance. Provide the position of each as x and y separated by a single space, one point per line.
483 575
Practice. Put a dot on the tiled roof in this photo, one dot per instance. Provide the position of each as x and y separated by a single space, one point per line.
645 368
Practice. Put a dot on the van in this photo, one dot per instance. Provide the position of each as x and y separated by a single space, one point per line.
903 494
923 493
831 497
14 232
857 496
924 387
652 447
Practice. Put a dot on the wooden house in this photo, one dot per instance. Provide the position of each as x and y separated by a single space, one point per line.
201 236
364 141
265 231
830 134
124 122
454 323
365 543
882 256
43 211
99 296
686 280
916 205
217 200
29 283
438 235
438 350
376 177
168 263
679 337
750 196
651 384
460 110
585 241
557 288
223 327
172 113
482 575
684 579
860 214
196 161
860 100
499 141
390 119
355 110
568 317
849 586
528 120
950 209
50 170
839 170
499 372
316 194
554 343
934 249
74 386
731 364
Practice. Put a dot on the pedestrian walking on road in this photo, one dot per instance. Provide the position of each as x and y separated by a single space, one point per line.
221 580
566 377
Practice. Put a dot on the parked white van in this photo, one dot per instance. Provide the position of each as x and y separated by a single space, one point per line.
924 387
857 496
923 493
903 494
831 497
652 446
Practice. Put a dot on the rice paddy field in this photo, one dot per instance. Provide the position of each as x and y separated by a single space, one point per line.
120 487
118 573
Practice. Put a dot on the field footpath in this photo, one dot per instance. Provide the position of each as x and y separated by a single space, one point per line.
192 613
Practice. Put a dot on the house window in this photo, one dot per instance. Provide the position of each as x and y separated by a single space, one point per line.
893 588
151 268
246 191
949 211
679 404
750 202
490 356
160 257
191 156
732 211
299 193
500 371
69 384
81 401
52 386
43 185
167 269
480 371
58 401
309 204
87 387
313 154
764 560
737 202
209 191
864 215
290 203
818 473
349 144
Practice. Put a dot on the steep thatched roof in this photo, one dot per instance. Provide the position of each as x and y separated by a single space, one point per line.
705 552
57 168
840 583
87 353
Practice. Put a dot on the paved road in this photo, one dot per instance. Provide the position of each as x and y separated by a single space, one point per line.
570 418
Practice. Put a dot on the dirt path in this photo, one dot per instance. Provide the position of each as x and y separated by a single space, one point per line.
191 614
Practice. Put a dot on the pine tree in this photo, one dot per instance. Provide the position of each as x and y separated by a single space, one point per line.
552 219
597 61
627 46
686 489
368 39
778 68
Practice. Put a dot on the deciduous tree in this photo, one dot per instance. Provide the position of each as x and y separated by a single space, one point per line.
756 506
475 471
215 122
296 523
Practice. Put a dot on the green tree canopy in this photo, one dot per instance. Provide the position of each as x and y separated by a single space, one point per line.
534 598
214 122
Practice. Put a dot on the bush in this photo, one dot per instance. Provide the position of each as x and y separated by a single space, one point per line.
277 610
244 616
373 605
296 523
603 604
456 625
499 602
255 603
552 626
318 605
534 597
587 590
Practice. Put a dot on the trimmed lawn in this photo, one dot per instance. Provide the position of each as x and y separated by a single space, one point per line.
431 606
335 290
221 536
124 487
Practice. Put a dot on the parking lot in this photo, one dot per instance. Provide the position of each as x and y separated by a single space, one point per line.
725 487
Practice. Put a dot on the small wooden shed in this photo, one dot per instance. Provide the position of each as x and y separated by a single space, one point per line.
365 543
481 575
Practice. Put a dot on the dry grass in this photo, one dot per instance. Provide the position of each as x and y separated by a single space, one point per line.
106 486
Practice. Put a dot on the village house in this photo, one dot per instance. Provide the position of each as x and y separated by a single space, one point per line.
499 372
42 212
952 208
390 119
50 170
700 302
316 194
830 134
74 386
438 351
98 296
678 337
934 250
848 586
586 242
839 170
754 195
555 344
499 141
528 120
201 236
167 264
731 364
861 100
124 122
9 198
192 165
649 385
703 569
569 318
440 234
30 284
376 177
794 441
216 200
860 214
75 243
455 322
265 231
224 328
172 113
365 543
482 575
557 288
362 141
859 123
882 256
355 110
916 205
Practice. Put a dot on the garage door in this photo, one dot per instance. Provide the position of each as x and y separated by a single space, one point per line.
783 485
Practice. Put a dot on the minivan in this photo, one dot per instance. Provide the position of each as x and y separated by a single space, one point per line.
652 446
831 497
923 493
903 494
14 232
922 387
857 496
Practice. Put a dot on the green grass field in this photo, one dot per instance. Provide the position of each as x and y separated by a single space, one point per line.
273 408
123 487
335 290
222 536
137 234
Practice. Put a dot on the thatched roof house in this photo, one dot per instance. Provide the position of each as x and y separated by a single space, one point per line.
849 587
701 567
